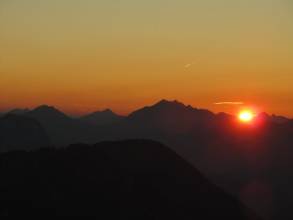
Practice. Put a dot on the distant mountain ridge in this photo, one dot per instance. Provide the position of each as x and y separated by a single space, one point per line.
62 129
168 107
159 105
47 112
231 154
105 117
164 118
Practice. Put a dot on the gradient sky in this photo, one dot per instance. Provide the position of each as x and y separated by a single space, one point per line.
87 55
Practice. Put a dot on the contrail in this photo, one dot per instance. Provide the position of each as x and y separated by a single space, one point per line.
228 103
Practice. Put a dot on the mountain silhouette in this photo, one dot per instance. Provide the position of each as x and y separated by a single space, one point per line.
20 132
252 162
61 128
170 117
136 179
169 110
46 113
106 117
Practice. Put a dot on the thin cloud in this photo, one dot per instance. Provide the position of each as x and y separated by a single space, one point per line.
229 103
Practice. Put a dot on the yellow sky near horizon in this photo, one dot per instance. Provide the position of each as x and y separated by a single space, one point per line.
82 56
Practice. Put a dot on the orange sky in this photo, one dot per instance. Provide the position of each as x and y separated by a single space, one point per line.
82 56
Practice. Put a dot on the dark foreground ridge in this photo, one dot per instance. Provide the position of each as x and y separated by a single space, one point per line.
136 179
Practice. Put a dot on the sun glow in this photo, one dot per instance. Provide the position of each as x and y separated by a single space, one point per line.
246 116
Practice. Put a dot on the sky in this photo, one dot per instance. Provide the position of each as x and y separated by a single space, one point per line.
87 55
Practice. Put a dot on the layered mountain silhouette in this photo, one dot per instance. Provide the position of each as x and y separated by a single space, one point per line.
136 179
61 128
251 162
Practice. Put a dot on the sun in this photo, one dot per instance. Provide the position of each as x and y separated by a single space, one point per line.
246 116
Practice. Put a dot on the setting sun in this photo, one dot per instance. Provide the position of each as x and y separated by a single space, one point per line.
246 116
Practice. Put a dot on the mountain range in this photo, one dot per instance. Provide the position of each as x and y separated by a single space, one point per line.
252 162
